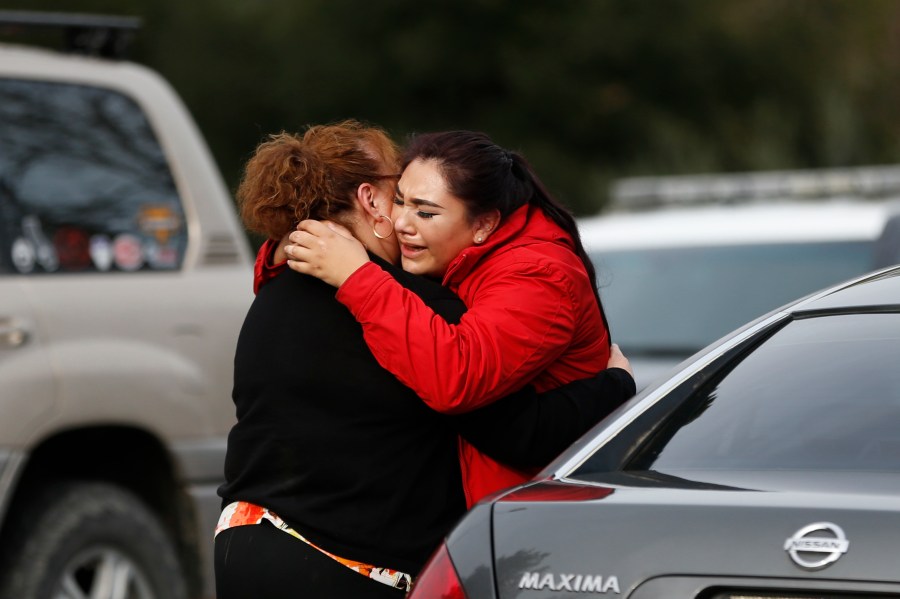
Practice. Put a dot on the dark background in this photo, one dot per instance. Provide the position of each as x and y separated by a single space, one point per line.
588 90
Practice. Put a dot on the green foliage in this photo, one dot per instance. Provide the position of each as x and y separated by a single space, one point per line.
588 90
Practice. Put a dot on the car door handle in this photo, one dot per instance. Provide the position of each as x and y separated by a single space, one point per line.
12 334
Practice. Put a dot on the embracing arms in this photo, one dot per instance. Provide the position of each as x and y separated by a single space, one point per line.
527 429
520 320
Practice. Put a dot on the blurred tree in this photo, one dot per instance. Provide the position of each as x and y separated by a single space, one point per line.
588 90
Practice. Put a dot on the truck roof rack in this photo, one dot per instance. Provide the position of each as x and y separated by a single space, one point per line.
867 182
95 35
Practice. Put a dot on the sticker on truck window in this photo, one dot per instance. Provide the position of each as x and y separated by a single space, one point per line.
73 248
33 248
127 252
160 222
101 252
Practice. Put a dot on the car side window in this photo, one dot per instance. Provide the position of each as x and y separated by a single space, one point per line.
821 393
84 184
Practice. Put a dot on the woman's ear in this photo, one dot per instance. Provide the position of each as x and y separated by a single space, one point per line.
366 198
485 225
377 208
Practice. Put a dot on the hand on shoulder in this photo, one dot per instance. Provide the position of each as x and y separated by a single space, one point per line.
325 250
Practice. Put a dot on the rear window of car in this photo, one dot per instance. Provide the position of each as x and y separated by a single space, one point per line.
821 393
84 184
678 300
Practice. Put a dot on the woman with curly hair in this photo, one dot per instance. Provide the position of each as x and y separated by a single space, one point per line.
339 480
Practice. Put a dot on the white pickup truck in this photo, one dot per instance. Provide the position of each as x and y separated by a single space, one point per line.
124 279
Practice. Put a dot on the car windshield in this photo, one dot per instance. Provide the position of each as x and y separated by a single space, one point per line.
821 394
675 301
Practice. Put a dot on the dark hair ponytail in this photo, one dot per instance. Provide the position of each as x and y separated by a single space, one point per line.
487 177
558 213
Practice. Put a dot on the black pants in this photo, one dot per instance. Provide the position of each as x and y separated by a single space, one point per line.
258 561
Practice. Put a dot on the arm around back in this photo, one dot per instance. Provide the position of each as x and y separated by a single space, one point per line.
528 429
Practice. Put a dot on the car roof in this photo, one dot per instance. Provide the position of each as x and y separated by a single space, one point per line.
738 224
878 292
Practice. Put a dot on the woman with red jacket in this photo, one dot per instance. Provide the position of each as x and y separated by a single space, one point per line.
476 217
339 481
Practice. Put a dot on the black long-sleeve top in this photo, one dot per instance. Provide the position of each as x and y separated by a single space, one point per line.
351 458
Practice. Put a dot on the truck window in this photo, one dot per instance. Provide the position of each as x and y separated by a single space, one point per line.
84 184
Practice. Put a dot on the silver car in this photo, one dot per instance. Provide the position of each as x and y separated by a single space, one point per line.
681 261
768 466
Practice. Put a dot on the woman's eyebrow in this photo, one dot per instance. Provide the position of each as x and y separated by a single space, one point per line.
416 201
420 202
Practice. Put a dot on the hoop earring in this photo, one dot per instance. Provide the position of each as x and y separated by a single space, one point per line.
378 219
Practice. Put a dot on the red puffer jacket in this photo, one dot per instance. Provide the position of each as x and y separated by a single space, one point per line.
532 318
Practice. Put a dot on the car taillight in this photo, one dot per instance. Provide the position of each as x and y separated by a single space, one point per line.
438 579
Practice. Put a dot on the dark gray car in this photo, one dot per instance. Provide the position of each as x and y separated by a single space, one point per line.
768 467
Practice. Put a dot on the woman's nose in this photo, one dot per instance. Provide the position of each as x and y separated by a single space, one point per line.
401 222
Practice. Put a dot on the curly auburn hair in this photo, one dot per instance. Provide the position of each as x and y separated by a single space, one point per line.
292 177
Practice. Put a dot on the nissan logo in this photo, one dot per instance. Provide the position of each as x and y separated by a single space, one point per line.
817 545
